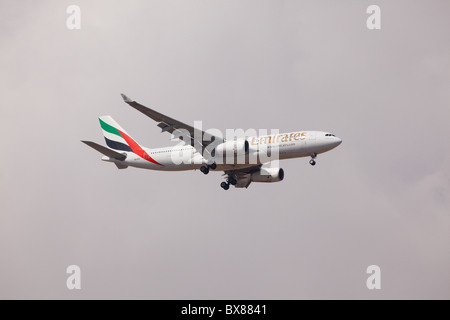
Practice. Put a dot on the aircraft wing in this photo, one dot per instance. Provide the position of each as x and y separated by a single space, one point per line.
198 138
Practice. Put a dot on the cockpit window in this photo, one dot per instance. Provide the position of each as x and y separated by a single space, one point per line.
330 135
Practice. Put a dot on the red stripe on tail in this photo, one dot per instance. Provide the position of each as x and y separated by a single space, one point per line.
137 149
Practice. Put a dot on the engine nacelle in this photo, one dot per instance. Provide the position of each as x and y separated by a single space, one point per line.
231 149
268 175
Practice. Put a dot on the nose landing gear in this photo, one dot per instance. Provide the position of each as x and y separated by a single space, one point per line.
312 161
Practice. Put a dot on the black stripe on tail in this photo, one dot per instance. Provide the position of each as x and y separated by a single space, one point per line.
117 145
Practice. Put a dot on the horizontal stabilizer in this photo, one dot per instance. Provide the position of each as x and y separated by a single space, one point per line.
106 151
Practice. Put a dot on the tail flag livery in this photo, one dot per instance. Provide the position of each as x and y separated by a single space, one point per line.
118 139
114 134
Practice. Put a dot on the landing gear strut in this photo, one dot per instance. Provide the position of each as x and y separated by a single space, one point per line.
312 161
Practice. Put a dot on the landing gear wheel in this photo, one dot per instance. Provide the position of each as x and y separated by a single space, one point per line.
213 166
232 181
204 169
312 161
225 186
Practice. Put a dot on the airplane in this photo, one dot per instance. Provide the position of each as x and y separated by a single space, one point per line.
233 156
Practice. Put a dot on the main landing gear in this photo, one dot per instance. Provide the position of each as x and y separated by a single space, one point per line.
312 161
205 169
226 185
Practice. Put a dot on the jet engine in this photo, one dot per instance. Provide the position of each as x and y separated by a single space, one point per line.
268 175
234 148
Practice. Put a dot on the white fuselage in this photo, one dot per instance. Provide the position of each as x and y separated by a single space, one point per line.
290 145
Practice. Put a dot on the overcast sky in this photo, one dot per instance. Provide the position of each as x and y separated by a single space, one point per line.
381 198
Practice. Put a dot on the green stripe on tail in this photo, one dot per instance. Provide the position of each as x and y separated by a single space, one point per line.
109 128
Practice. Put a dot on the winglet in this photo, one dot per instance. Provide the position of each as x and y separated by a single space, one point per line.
125 98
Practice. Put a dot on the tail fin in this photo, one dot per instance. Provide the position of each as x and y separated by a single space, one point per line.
115 137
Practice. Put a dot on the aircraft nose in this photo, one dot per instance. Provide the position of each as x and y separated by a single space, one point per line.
338 141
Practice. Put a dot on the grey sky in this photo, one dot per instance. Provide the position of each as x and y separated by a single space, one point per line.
381 198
